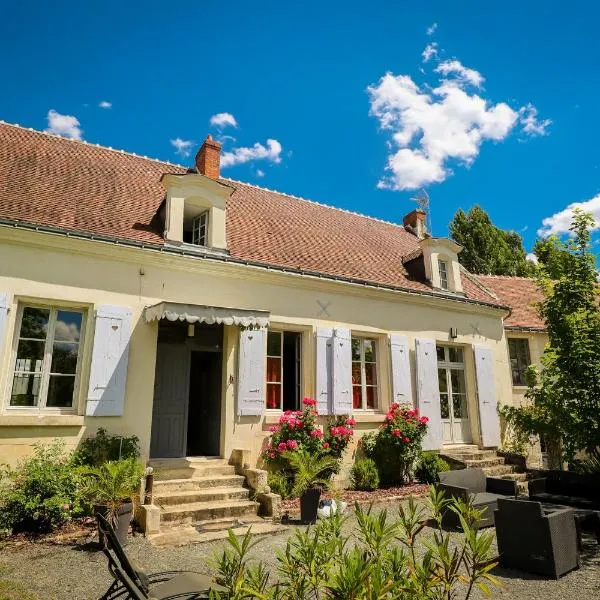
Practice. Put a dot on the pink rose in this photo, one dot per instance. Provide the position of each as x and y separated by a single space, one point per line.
292 444
309 402
316 433
351 422
396 432
282 447
424 420
325 445
273 428
272 455
406 440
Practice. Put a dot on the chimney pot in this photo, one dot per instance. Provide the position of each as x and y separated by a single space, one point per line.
416 222
208 159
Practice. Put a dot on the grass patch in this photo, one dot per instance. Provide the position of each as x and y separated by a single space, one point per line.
11 590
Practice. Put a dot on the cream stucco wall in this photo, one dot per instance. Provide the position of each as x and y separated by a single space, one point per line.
55 269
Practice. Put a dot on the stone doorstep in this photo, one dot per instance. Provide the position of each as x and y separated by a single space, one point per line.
178 497
197 483
498 471
476 455
485 462
202 511
195 471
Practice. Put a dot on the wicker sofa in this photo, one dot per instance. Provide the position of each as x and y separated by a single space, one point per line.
567 488
472 484
536 542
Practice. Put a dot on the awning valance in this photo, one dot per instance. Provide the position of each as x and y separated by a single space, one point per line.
194 313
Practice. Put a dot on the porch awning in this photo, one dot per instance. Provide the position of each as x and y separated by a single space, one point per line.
194 313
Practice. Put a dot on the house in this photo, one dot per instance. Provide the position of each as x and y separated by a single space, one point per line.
191 310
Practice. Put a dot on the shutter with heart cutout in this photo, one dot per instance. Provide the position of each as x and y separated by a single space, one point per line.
486 394
342 372
252 364
324 356
401 378
428 392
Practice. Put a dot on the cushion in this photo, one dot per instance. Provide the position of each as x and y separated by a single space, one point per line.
520 508
185 584
472 479
486 498
563 499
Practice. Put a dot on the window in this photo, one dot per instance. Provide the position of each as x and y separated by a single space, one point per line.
283 370
45 369
518 349
364 373
443 268
200 229
453 393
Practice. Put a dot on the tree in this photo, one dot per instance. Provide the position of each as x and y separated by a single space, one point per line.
552 255
565 394
487 249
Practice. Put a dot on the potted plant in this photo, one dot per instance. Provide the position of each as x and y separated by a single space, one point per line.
312 474
111 489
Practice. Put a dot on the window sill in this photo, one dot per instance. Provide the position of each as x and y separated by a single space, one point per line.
47 420
360 417
519 388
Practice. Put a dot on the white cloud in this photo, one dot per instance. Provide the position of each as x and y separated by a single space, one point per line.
528 116
462 73
65 125
222 120
182 147
429 52
105 104
560 222
238 156
260 173
531 257
431 29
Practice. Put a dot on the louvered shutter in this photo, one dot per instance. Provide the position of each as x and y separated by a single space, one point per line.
401 379
428 392
108 373
486 394
252 372
342 372
324 369
5 299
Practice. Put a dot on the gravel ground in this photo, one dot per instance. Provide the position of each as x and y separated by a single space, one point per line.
78 572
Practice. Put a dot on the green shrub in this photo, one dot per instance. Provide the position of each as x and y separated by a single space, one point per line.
364 475
281 482
104 447
42 493
430 466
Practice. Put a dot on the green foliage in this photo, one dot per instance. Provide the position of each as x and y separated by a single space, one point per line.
281 482
384 559
587 466
487 249
430 466
565 394
101 448
552 256
12 590
365 475
42 493
310 470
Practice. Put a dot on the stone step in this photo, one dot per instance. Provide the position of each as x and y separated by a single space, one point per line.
203 495
485 462
193 471
498 471
515 476
204 511
197 483
476 455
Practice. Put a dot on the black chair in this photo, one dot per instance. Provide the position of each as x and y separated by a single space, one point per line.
471 485
534 541
567 488
133 582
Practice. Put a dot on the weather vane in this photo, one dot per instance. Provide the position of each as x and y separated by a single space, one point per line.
422 200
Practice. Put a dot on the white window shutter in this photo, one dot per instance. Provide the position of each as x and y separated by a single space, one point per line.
252 372
401 379
324 370
342 372
428 392
5 300
108 373
486 393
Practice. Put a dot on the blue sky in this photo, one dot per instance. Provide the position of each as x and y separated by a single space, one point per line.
503 113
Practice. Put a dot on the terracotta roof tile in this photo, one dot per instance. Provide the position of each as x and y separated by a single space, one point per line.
48 180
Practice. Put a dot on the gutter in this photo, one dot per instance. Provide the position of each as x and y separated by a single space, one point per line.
161 248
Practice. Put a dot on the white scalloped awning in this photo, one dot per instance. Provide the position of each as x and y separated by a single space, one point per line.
194 313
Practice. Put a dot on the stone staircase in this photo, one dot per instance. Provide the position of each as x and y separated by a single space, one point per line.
471 456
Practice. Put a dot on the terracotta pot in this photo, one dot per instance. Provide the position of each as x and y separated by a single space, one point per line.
120 522
309 503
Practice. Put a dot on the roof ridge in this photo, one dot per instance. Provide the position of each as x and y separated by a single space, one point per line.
505 276
344 210
474 278
92 144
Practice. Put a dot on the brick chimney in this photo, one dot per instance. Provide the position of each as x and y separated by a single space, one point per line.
416 223
208 159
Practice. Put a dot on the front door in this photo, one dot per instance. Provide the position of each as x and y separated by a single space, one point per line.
453 395
171 393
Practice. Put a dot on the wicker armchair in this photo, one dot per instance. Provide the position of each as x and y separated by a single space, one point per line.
473 485
531 541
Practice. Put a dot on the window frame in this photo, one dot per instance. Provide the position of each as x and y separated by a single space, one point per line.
363 373
274 383
197 226
46 372
520 368
443 274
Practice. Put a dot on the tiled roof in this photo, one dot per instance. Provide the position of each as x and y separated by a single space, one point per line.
52 181
521 294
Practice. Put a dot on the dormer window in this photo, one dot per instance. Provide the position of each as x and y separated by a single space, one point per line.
443 269
200 229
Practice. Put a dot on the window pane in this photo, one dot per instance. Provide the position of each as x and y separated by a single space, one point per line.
371 397
355 349
273 396
60 391
357 397
442 382
34 323
274 343
456 355
457 379
459 406
68 326
356 373
30 356
444 408
440 353
371 374
64 358
369 350
25 390
273 369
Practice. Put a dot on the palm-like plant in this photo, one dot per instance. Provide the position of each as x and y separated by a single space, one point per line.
311 470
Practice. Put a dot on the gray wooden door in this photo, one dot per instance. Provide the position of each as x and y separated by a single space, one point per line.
170 408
